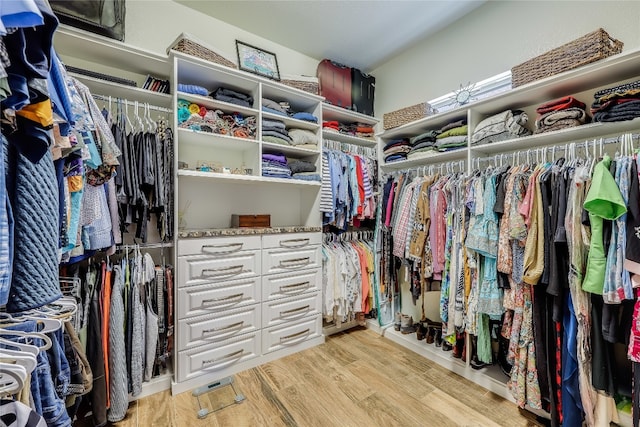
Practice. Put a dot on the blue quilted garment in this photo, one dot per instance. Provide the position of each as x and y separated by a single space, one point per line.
33 190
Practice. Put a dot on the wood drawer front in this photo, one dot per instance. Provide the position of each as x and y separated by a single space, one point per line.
282 261
291 309
291 284
218 327
291 241
290 334
218 246
215 297
196 270
218 356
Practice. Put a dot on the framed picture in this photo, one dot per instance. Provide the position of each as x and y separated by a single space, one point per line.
258 61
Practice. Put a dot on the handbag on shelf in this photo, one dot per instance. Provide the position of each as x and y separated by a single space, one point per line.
104 17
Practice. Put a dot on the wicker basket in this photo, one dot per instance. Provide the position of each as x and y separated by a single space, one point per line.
406 115
581 51
185 43
307 86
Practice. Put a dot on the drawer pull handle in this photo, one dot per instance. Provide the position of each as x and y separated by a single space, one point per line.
235 248
296 243
233 299
297 335
295 263
217 273
223 332
295 311
296 287
227 359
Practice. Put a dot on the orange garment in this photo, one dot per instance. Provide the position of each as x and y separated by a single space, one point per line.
364 272
40 112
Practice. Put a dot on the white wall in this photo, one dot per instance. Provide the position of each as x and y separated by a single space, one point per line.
155 24
493 38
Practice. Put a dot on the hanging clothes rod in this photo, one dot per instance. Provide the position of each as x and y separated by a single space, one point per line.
131 103
447 168
555 148
159 245
349 148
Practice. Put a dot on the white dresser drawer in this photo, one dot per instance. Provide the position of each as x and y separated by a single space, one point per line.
286 260
290 284
219 356
290 335
291 240
214 297
218 246
211 328
290 309
194 270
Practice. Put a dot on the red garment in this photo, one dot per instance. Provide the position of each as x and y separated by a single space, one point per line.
360 176
560 104
331 124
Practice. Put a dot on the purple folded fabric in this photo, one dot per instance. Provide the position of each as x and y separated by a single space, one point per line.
275 157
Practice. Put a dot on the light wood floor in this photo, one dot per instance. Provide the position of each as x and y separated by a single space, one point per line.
356 378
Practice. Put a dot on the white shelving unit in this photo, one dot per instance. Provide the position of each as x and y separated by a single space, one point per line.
581 83
342 115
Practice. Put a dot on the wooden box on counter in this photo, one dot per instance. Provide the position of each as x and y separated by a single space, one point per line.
261 221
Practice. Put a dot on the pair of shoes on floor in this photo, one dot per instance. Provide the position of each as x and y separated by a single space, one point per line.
406 324
459 348
422 331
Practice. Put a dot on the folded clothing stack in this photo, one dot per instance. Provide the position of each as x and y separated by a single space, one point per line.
301 169
232 96
275 131
275 166
559 114
500 127
303 138
195 117
396 150
423 145
284 109
193 89
331 126
617 103
452 136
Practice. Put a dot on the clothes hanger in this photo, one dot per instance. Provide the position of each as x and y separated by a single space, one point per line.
12 378
23 347
33 335
26 360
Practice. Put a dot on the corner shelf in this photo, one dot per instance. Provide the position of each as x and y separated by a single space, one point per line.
447 156
117 90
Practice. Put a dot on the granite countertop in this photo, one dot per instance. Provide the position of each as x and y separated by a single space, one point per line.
217 232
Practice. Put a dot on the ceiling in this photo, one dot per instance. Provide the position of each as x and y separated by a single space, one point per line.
363 34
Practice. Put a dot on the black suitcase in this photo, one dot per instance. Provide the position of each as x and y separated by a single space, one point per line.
363 87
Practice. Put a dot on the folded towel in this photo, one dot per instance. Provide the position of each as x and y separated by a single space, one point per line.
277 134
194 89
275 140
560 124
396 142
618 113
427 136
456 131
553 116
273 105
455 124
505 125
273 123
307 176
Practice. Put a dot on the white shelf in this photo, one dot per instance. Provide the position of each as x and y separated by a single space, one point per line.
209 139
576 134
91 47
332 112
605 72
291 122
427 123
447 156
213 104
249 179
349 139
288 149
117 90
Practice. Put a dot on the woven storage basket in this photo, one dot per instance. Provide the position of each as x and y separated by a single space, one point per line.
311 87
589 48
406 115
187 44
